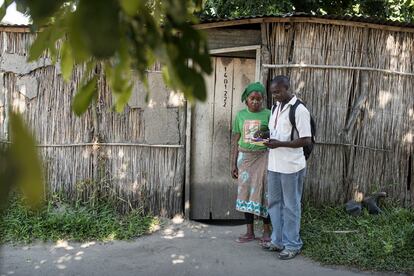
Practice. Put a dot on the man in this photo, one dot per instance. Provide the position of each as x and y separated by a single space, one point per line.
286 170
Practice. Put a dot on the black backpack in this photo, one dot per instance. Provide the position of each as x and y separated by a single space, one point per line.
307 150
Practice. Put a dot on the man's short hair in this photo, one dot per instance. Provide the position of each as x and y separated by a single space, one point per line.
284 80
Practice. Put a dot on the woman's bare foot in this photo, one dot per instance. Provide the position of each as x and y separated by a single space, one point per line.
245 238
265 237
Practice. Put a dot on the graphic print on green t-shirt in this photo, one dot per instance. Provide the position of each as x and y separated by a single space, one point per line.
247 123
249 128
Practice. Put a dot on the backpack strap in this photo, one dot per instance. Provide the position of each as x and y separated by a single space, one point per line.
274 108
292 117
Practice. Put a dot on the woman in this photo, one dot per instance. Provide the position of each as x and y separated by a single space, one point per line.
249 161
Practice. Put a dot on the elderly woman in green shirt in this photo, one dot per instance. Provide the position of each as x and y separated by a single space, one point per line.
249 161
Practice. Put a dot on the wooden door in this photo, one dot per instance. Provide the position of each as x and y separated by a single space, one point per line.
213 191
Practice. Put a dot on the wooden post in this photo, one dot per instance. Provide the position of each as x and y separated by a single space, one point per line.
265 58
258 65
187 161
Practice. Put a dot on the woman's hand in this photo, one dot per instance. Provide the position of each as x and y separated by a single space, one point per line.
235 172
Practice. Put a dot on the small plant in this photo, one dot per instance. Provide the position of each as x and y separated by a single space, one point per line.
382 242
59 220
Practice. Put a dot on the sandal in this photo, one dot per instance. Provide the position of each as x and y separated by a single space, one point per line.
264 240
269 246
288 254
245 238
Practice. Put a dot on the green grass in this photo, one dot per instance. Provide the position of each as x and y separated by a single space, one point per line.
81 223
381 242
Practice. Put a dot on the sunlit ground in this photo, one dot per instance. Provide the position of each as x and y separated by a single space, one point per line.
64 254
60 255
178 247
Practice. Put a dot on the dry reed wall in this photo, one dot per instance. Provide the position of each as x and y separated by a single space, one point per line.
130 173
365 119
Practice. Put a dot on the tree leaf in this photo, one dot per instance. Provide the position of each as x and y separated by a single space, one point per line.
66 61
197 86
6 175
130 6
40 45
166 76
21 7
3 8
79 49
103 36
122 69
122 99
119 74
46 40
42 9
84 97
29 176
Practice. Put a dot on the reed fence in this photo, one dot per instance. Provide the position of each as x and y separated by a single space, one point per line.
99 155
357 82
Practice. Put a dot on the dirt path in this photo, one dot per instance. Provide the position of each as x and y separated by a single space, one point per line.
180 248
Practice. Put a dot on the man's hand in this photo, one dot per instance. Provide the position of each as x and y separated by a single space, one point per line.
297 143
273 143
235 172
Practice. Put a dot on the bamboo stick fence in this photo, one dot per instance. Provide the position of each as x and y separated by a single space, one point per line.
99 155
358 84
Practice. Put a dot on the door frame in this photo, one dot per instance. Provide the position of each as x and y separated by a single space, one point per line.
188 128
257 48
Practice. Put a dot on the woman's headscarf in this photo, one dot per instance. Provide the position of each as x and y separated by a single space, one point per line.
254 86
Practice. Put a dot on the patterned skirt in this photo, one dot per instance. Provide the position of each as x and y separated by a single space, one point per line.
252 182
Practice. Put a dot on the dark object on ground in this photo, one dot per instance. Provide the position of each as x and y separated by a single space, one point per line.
353 208
371 203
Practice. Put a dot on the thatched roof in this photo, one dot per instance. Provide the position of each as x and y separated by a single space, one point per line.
371 22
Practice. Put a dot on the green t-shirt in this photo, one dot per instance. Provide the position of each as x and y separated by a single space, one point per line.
247 123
